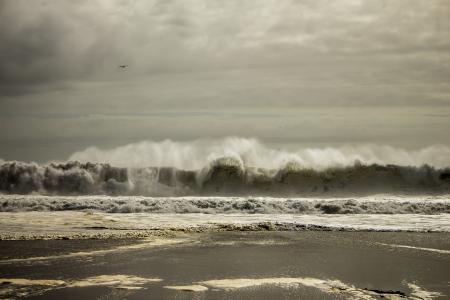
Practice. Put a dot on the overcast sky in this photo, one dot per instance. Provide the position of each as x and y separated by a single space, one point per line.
291 73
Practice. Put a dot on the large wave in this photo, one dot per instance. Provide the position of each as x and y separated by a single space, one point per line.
233 166
194 155
225 176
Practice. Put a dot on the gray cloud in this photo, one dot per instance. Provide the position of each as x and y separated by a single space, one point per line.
50 40
376 71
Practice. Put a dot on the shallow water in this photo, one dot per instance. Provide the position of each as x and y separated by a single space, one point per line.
245 265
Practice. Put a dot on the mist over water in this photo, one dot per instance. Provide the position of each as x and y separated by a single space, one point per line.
233 167
252 153
236 183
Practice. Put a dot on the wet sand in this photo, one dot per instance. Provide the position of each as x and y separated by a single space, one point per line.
231 265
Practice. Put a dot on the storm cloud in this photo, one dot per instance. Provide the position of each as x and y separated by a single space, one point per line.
290 73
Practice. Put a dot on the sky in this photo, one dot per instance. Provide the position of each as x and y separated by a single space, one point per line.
291 73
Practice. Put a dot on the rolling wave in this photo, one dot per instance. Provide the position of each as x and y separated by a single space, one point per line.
225 176
233 167
194 155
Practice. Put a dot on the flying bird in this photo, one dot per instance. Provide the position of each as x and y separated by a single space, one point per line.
123 66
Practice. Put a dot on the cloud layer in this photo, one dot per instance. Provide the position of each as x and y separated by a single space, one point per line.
46 40
314 72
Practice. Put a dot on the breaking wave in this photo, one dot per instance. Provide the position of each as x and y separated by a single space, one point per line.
197 154
233 167
222 177
229 205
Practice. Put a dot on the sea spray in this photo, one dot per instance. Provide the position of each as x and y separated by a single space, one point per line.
222 177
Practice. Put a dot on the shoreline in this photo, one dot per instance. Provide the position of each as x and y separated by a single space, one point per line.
100 225
224 265
143 234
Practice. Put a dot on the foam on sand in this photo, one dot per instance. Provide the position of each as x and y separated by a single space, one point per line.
328 286
12 287
23 281
119 281
419 293
187 288
26 287
417 248
325 285
143 244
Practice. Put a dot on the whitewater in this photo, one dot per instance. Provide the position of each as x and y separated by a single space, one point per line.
230 184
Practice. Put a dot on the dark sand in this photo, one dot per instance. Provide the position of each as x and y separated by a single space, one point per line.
359 259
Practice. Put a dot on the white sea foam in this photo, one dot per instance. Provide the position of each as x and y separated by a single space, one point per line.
441 251
27 287
223 176
250 152
142 244
14 287
378 204
328 286
24 281
189 288
56 224
420 293
119 281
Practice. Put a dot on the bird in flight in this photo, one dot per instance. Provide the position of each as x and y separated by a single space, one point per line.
123 66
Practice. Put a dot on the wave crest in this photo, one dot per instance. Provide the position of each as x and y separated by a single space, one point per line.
197 154
225 176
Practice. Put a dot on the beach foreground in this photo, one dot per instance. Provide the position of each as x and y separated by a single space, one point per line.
231 265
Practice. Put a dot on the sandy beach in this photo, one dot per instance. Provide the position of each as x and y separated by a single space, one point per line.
231 265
